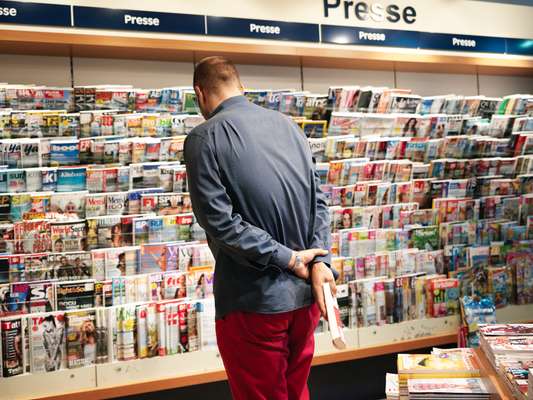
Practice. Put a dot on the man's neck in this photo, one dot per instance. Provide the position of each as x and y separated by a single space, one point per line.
219 99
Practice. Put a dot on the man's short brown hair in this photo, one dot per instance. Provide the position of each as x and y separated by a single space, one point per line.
215 72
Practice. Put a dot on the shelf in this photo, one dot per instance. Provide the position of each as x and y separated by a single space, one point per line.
408 331
84 43
47 384
496 385
149 375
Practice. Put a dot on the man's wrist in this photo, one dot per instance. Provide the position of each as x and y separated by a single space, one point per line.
292 261
296 261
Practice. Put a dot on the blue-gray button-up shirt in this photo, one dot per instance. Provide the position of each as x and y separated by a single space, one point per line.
255 192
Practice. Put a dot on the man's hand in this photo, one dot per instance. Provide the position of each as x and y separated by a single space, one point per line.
301 269
320 274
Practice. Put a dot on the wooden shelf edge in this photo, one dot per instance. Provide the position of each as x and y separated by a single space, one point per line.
488 372
255 52
220 375
379 350
142 387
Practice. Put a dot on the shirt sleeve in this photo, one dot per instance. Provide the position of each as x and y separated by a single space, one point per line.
214 211
322 233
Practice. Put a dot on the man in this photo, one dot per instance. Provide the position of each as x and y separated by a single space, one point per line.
255 192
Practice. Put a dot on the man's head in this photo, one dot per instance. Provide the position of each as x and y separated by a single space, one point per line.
215 80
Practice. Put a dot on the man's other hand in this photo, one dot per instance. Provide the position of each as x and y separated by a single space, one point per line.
320 274
301 269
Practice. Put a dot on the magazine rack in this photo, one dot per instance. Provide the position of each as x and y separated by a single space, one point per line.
153 374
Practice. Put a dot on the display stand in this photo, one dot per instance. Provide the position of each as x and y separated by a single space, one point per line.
148 375
499 389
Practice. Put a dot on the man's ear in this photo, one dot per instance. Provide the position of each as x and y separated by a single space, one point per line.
198 92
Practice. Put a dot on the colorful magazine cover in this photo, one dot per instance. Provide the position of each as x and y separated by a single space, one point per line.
32 236
153 257
71 179
121 261
70 266
68 236
81 338
41 297
70 204
75 295
64 152
47 342
13 346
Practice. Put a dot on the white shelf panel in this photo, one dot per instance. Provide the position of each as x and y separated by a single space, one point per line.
515 314
323 343
27 386
408 330
149 369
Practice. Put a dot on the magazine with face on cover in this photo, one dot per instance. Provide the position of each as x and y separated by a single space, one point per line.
70 204
68 236
81 338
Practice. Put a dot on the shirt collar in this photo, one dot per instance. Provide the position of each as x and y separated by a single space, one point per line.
229 102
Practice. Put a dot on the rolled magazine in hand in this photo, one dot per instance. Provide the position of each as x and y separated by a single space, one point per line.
334 318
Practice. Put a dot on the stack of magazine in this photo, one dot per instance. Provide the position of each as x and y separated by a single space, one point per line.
448 389
445 373
509 347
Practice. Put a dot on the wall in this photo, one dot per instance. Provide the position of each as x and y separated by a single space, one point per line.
446 16
55 71
140 73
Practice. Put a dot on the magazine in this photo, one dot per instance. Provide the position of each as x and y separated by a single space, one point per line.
70 204
71 179
75 295
32 236
121 261
13 346
68 236
466 387
81 338
334 319
102 336
47 342
41 296
70 266
64 152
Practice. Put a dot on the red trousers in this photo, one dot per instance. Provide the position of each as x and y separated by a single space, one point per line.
268 356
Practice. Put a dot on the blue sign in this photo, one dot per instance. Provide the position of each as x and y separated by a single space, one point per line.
520 46
368 36
136 20
15 12
441 41
262 29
